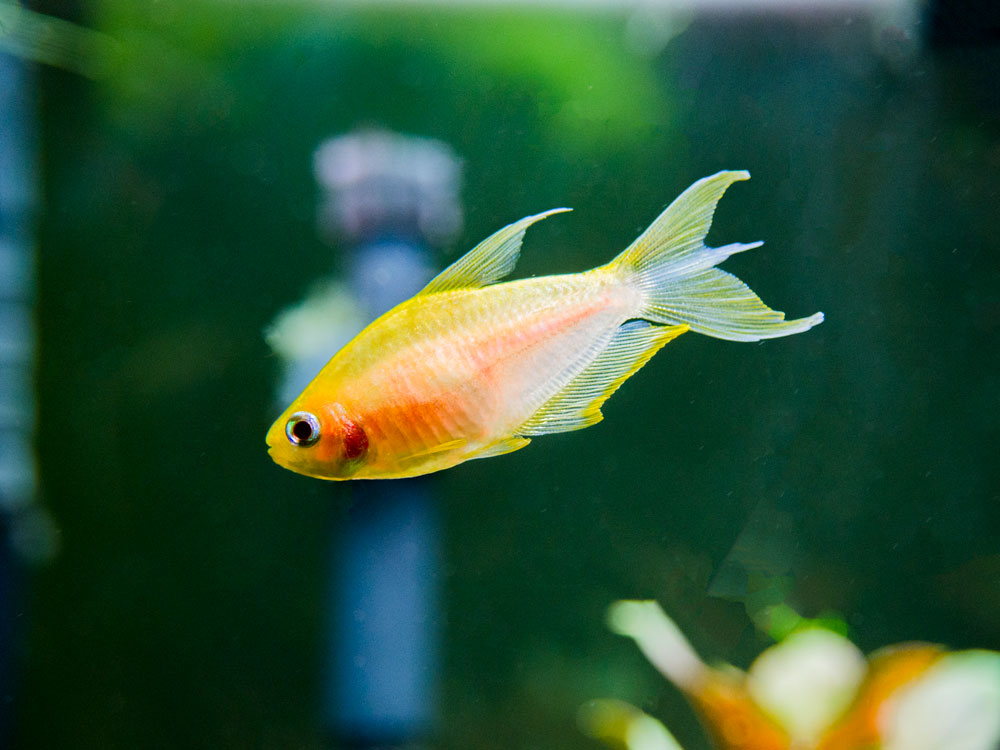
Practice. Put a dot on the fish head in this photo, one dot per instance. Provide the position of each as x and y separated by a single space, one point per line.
319 440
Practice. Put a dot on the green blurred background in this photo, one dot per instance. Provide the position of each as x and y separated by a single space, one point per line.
859 461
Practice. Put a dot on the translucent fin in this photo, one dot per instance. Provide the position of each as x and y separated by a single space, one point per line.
718 304
578 405
673 268
509 445
489 261
432 450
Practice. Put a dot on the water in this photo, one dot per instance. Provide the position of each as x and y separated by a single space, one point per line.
850 470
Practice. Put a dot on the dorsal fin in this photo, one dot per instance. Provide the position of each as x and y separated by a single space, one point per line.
489 261
578 405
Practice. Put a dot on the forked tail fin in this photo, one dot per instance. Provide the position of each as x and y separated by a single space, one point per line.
675 271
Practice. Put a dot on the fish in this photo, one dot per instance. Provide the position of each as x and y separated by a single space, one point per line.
472 367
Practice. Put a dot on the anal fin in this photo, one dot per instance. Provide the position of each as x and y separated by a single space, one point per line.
507 445
578 404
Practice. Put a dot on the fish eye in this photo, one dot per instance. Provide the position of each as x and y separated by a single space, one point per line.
302 429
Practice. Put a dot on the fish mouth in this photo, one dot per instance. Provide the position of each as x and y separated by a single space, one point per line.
276 447
275 456
271 452
272 437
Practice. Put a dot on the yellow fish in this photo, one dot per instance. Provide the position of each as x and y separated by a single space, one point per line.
469 368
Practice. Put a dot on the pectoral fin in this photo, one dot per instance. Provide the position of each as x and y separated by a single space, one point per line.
433 450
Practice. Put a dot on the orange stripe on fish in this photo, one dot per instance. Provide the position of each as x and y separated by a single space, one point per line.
471 368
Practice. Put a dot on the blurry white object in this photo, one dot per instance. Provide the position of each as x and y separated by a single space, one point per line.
807 681
618 722
376 178
955 705
813 689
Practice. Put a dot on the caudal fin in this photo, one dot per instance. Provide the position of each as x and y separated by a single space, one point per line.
676 272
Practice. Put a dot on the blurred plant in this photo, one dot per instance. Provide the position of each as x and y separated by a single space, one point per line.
53 41
814 690
581 75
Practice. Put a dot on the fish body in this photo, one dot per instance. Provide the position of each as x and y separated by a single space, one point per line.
439 379
469 368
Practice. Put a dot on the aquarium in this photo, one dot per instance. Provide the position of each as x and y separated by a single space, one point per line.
180 258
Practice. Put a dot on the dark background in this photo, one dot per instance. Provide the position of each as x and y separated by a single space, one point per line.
184 608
